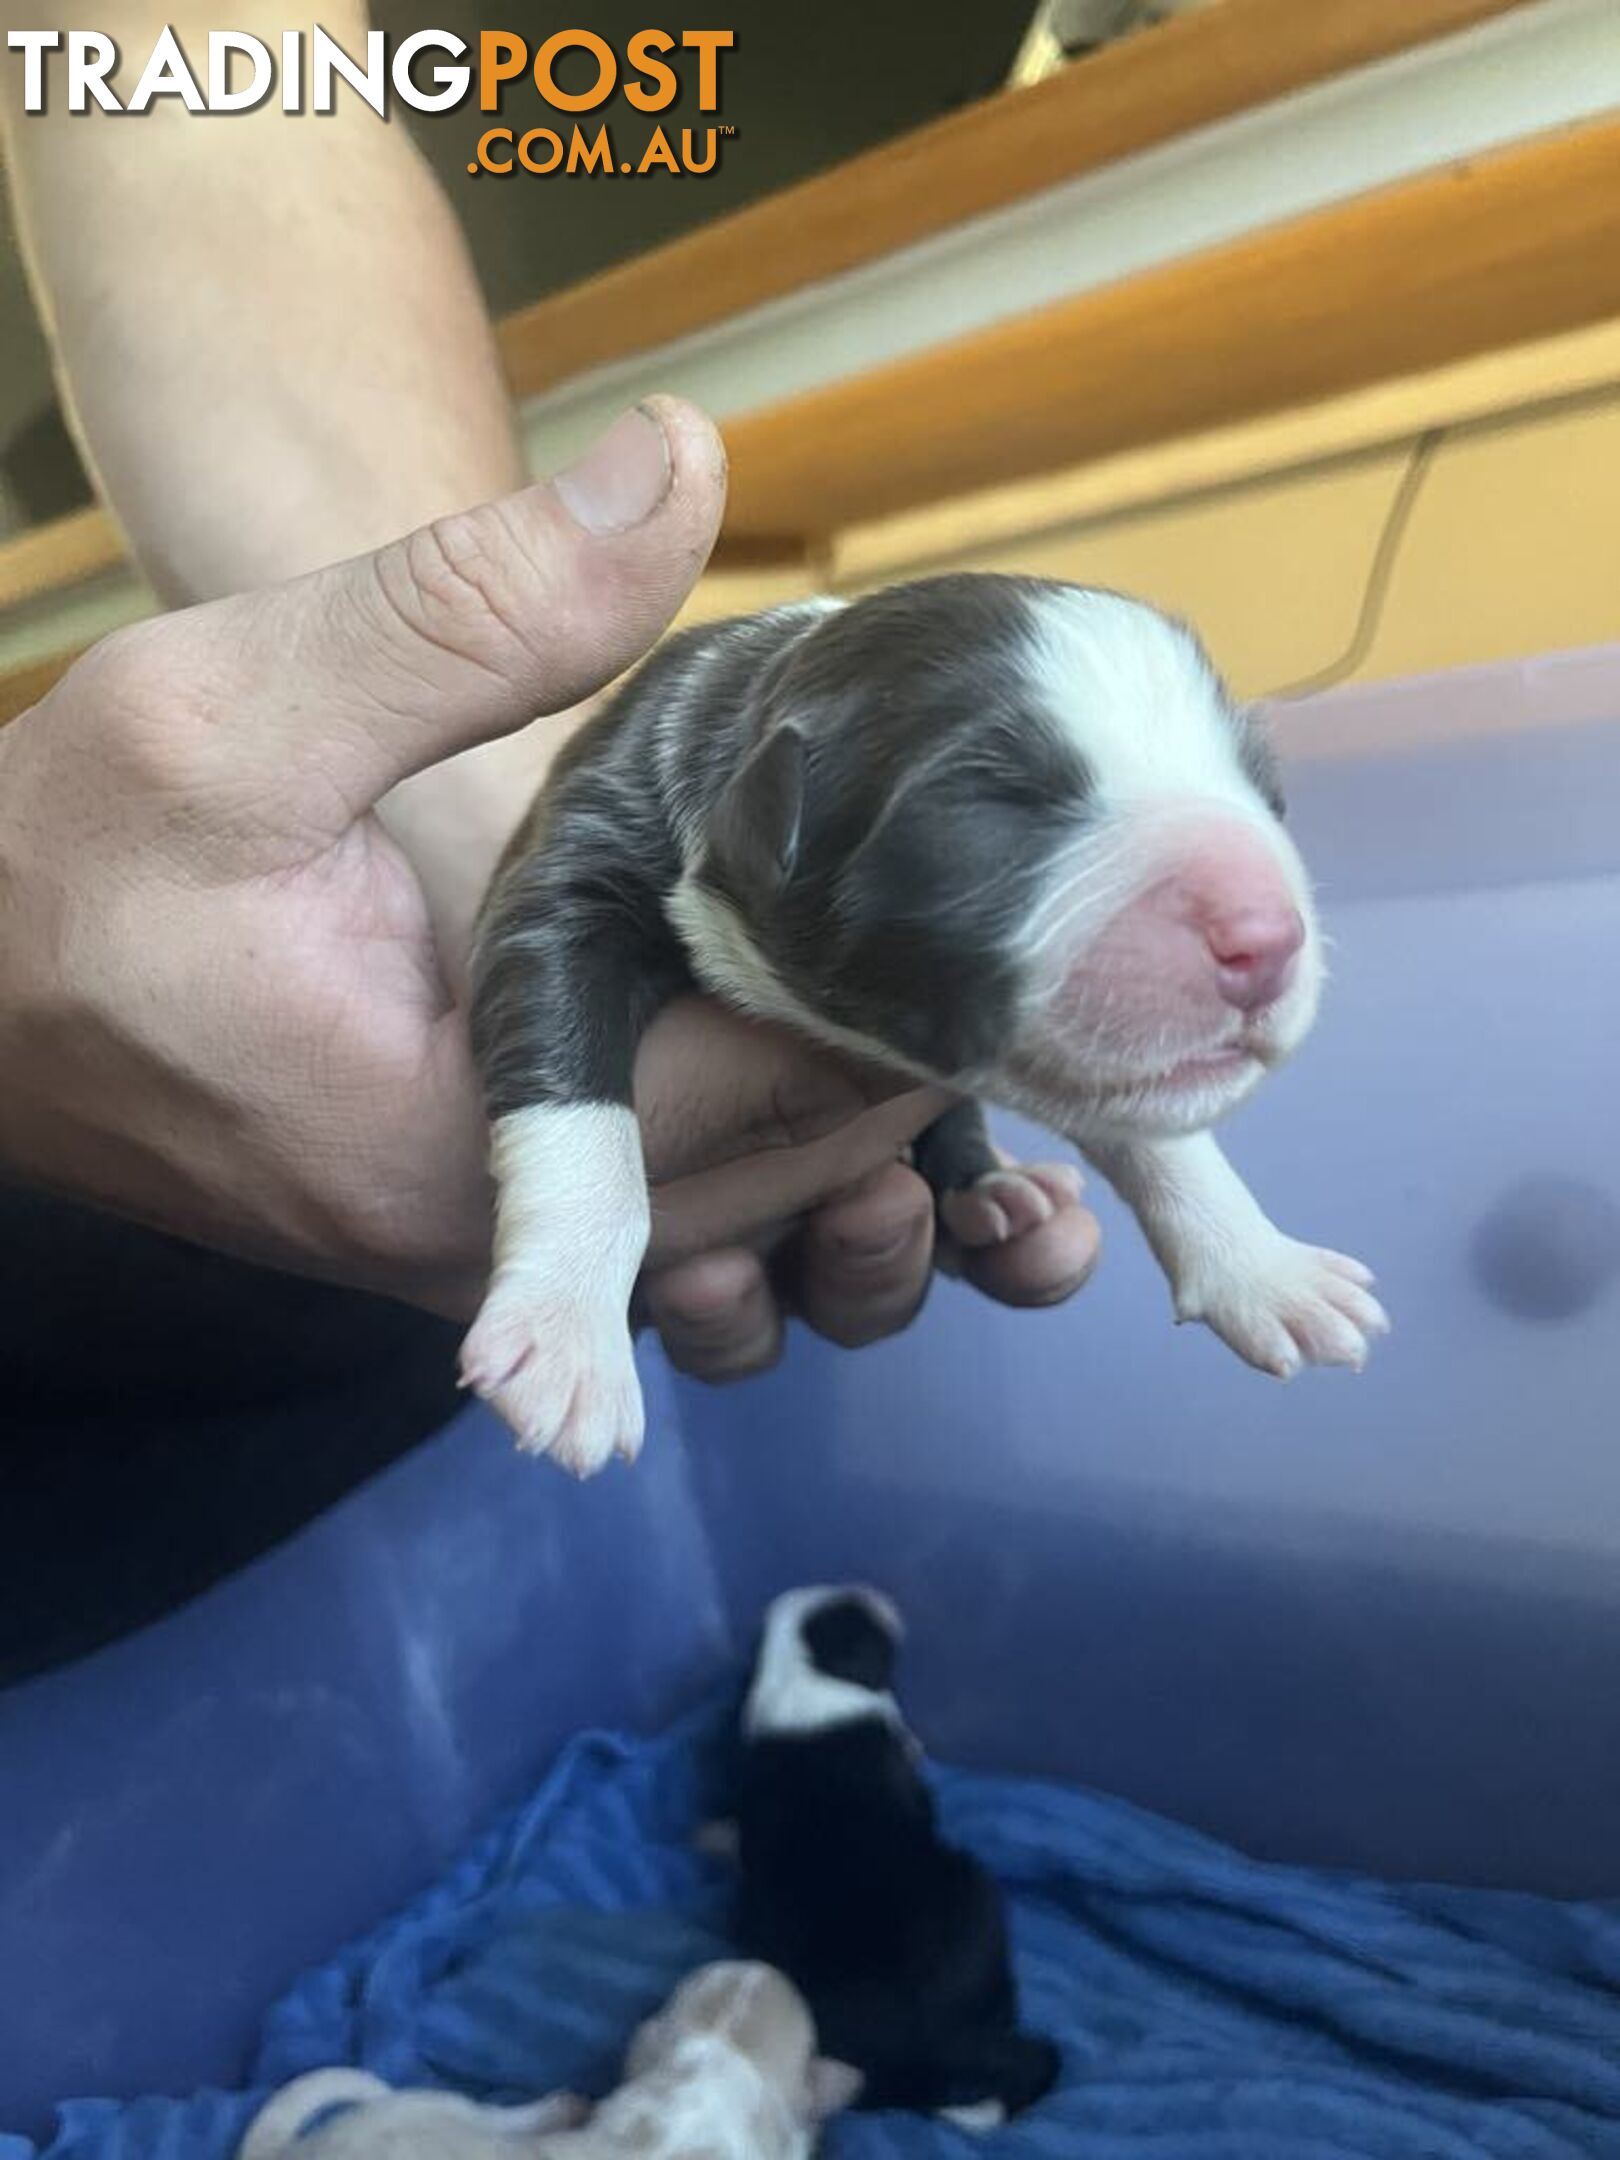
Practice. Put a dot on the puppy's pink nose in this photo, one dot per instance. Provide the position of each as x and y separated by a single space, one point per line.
1255 949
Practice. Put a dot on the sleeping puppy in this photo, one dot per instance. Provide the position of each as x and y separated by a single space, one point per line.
343 2114
1003 835
896 1938
727 2070
733 2030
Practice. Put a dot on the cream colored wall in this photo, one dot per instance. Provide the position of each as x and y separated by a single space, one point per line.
1512 547
1535 68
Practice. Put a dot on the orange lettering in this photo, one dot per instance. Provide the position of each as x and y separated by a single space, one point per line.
708 45
641 48
607 70
658 155
493 135
501 55
540 135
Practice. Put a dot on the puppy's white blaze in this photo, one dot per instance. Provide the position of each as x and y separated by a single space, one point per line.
788 1694
571 1211
1135 695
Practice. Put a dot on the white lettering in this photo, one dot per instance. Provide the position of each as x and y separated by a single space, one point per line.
222 44
453 82
33 45
91 58
167 74
328 58
292 71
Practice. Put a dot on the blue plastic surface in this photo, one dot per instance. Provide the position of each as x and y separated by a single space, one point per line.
1371 1622
1204 2006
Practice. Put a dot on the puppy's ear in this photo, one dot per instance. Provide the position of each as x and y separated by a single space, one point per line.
833 2086
754 827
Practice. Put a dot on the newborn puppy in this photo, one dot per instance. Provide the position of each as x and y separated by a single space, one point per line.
1000 834
725 2071
896 1938
343 2114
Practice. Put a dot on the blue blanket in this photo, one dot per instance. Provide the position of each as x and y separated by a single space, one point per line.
1208 2007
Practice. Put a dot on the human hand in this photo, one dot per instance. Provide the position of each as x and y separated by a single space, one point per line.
778 1186
221 1010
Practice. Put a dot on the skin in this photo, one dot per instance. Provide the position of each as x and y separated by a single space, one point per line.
258 962
221 1009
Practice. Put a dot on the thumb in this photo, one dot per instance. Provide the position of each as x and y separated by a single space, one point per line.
480 622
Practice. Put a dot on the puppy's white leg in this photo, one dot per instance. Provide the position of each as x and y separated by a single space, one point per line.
551 1348
1277 1303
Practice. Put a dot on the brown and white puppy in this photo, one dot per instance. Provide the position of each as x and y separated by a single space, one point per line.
1001 834
343 2114
727 2070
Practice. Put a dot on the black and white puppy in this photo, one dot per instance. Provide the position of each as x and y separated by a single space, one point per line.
894 1938
998 833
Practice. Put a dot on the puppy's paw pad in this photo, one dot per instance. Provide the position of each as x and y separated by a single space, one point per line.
562 1376
1289 1305
1004 1204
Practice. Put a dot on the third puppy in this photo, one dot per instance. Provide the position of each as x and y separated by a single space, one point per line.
895 1937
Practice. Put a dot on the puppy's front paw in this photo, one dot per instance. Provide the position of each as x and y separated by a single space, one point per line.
560 1372
1280 1305
1003 1204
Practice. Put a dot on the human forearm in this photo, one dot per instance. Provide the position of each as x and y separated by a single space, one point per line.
270 333
274 349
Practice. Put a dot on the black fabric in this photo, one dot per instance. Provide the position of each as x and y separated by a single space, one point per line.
166 1414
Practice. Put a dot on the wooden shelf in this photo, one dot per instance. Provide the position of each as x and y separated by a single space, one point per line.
49 558
25 686
1495 250
1145 90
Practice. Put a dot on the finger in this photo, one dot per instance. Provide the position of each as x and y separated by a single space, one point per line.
1001 1204
865 1258
716 1315
1045 1265
467 629
740 1202
712 1086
